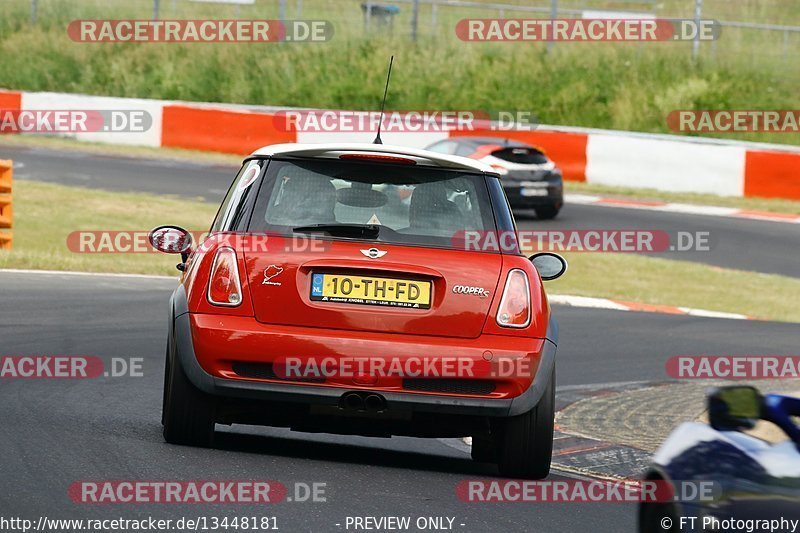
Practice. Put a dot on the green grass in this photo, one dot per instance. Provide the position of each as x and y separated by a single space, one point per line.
45 214
628 86
637 278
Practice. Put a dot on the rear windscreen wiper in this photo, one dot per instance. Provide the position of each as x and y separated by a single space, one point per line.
353 231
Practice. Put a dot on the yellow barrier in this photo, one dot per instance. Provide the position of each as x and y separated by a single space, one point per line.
6 207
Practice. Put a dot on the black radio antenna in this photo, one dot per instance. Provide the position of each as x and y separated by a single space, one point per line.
383 104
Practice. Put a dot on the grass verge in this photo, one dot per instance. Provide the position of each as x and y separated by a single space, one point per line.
637 278
47 213
623 86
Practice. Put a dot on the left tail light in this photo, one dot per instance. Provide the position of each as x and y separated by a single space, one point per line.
225 286
515 305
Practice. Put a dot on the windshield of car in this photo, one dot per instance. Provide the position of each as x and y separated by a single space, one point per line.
369 201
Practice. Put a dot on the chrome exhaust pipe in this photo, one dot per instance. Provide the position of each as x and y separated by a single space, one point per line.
353 400
373 402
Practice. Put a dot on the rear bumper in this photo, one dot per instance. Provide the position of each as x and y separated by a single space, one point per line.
522 400
519 195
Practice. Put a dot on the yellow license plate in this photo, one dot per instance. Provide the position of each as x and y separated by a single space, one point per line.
370 291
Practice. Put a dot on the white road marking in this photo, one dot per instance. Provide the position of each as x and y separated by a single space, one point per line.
686 209
74 273
585 301
603 303
712 314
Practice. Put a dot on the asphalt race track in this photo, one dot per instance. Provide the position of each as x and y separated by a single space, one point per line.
753 245
115 173
757 246
55 432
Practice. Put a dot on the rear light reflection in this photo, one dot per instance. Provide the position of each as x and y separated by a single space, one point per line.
380 158
224 286
515 305
500 169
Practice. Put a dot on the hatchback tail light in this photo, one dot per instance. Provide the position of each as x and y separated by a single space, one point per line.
500 169
380 158
224 286
515 305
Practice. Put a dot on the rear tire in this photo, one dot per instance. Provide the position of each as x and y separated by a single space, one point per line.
525 442
546 212
166 385
188 412
483 449
651 516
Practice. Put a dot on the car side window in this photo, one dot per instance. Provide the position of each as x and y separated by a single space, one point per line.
231 208
444 147
464 150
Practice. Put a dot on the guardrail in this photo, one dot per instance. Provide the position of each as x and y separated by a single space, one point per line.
6 207
676 163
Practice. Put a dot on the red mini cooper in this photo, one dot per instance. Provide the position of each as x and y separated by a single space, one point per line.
364 289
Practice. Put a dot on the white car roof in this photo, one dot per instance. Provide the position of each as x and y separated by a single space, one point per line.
334 150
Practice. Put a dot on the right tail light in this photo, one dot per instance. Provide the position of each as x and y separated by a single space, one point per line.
515 304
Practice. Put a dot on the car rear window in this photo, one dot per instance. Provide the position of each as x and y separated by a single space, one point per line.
522 155
410 204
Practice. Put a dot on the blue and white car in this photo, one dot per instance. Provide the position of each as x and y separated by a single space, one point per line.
753 479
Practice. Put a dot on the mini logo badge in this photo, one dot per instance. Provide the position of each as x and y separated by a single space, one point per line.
374 253
466 289
269 273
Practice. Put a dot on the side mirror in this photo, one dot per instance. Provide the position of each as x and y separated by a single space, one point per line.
549 265
172 240
735 407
